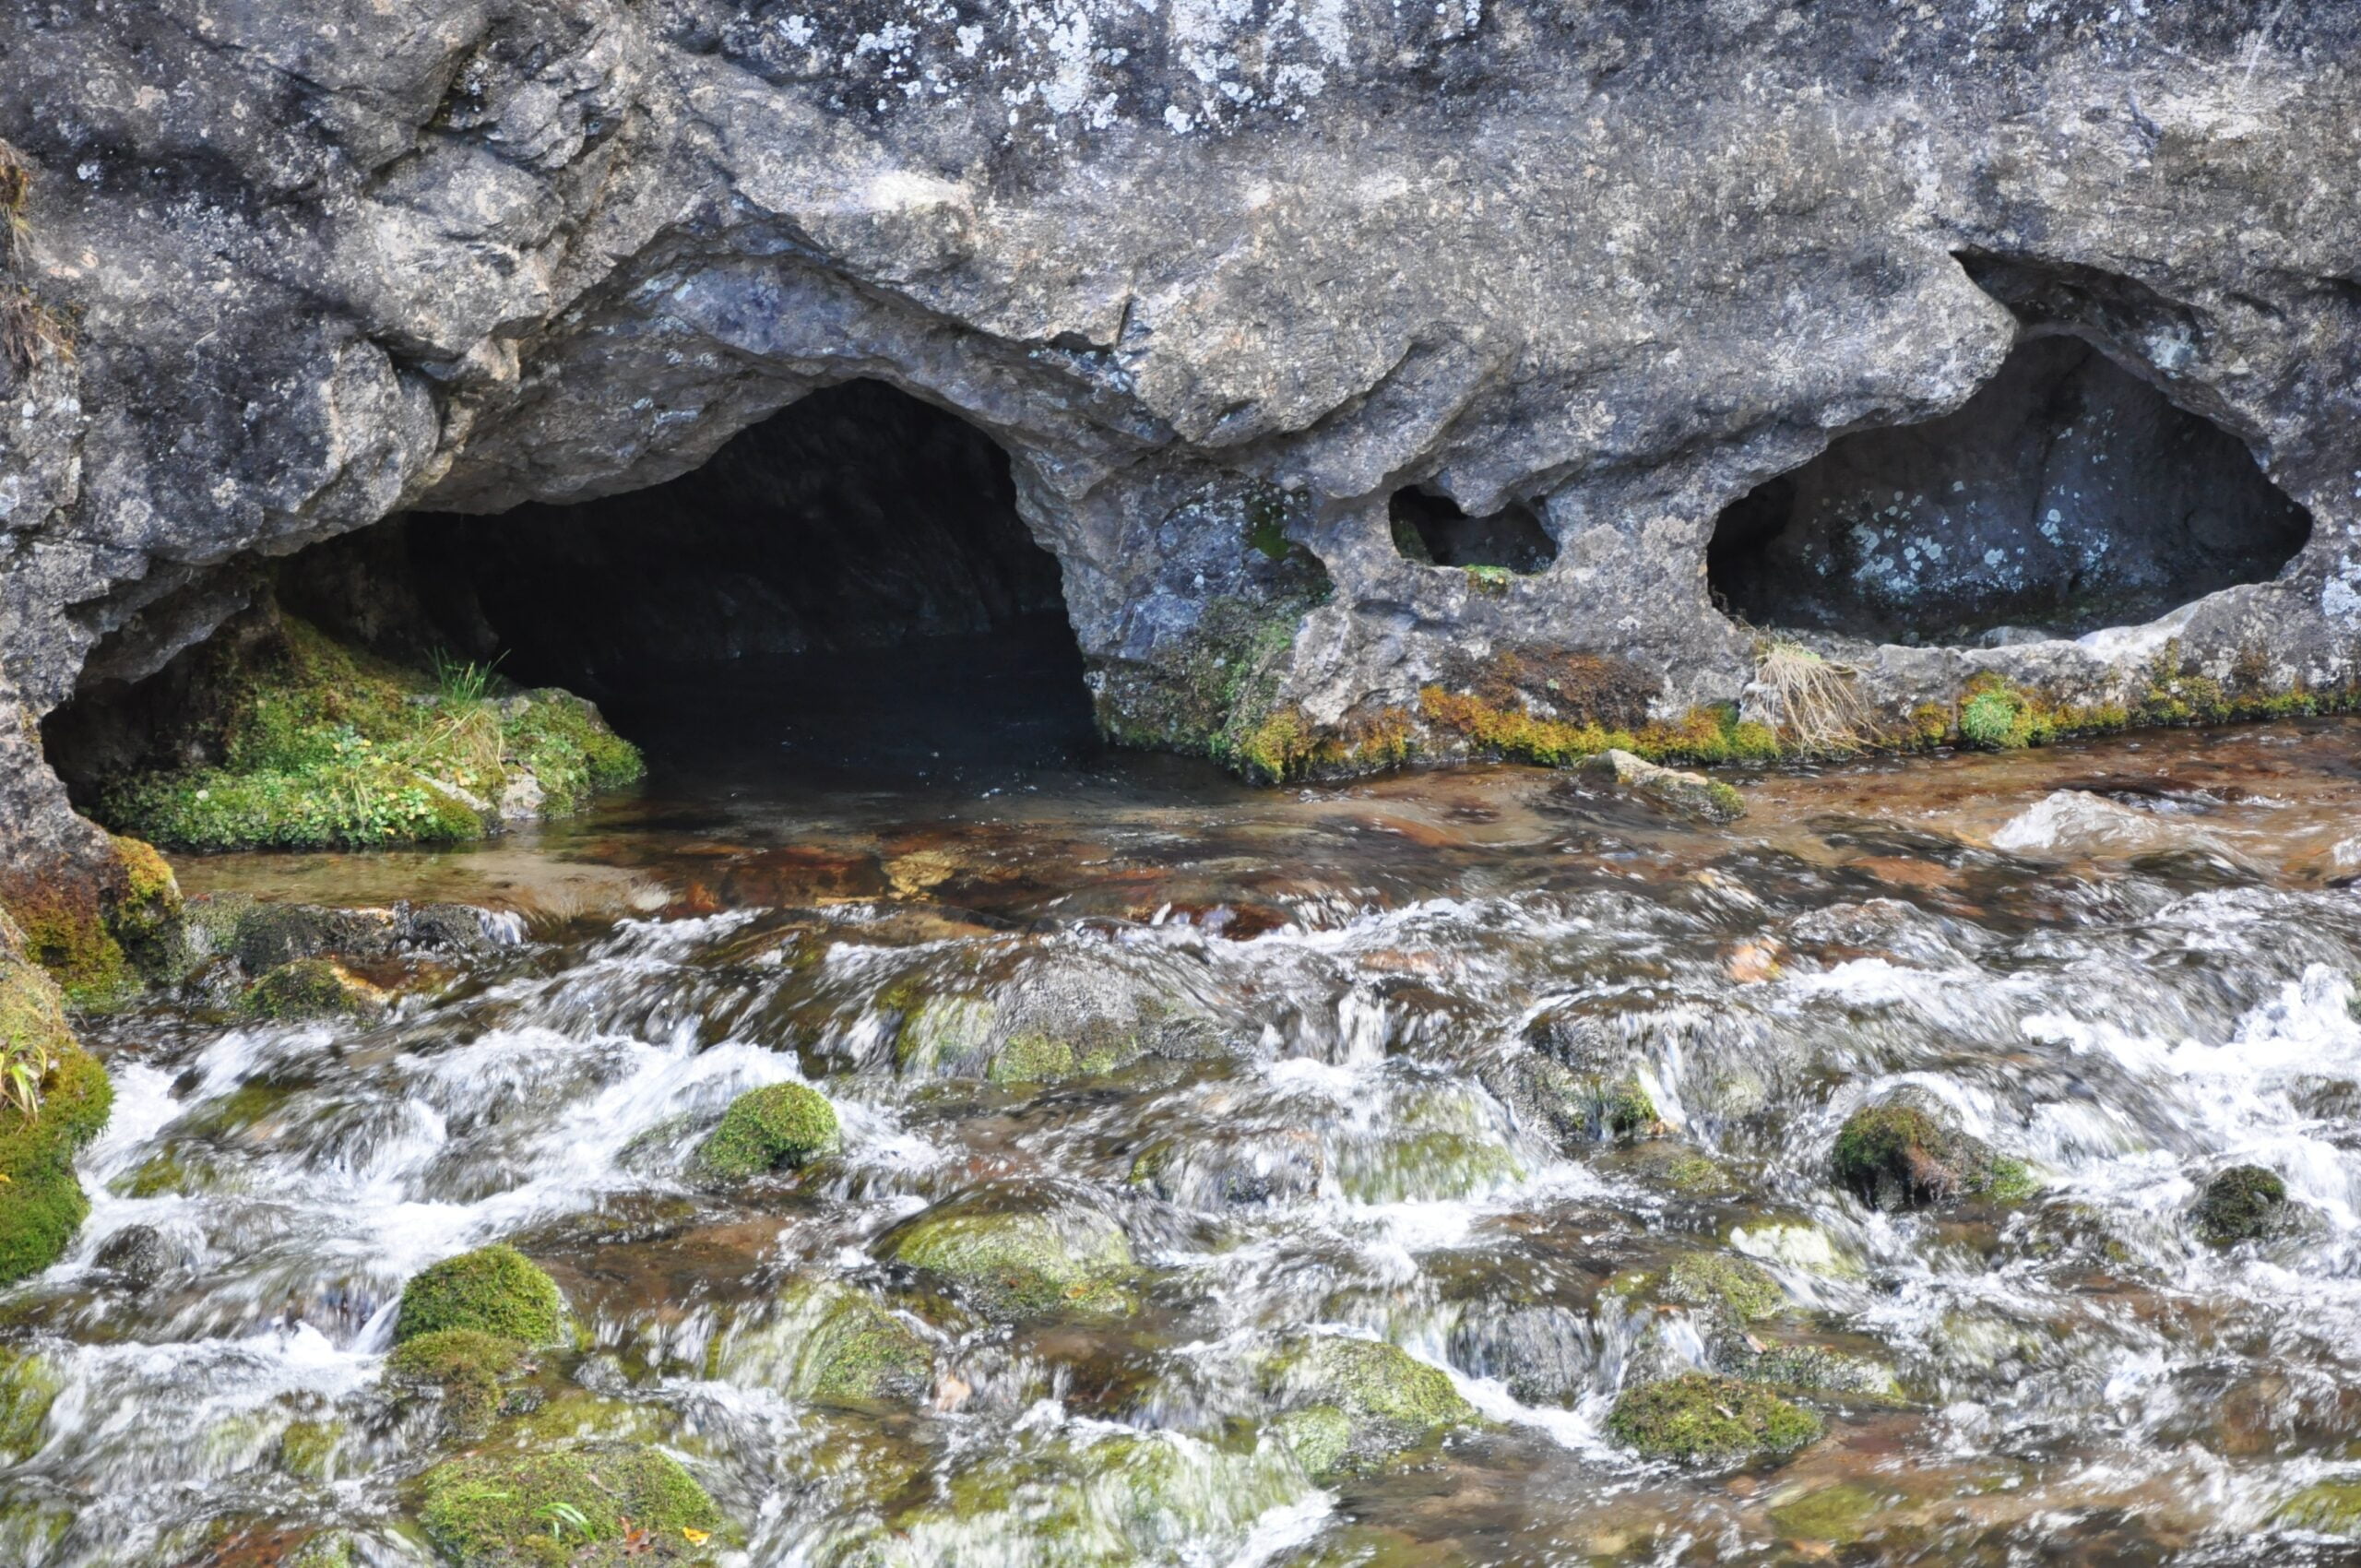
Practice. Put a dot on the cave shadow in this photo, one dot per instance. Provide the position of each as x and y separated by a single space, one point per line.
2066 494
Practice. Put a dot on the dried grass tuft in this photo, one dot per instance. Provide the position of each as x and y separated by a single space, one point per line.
1820 710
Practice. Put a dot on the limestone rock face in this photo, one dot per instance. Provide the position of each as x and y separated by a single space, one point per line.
1224 280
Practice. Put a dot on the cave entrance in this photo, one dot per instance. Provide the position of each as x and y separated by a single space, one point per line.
845 589
2065 495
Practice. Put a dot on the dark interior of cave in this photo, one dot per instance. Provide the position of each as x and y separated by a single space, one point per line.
847 586
1432 529
2065 495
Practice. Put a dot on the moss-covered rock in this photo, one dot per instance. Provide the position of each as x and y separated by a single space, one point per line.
777 1127
464 1366
1904 1155
1386 1398
1738 1286
495 1290
29 1385
2327 1508
514 1511
42 1203
1013 1262
1841 1513
2239 1205
831 1344
314 744
1700 1419
313 988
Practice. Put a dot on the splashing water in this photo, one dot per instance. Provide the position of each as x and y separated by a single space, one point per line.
1481 1067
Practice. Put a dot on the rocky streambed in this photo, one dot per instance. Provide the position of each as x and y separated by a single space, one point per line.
1953 1162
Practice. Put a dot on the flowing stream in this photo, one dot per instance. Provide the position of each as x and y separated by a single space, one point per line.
2128 964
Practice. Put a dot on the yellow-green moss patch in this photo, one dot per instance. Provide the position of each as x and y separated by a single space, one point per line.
778 1126
496 1291
543 1509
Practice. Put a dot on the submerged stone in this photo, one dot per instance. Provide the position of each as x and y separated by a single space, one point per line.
496 1291
312 988
1692 794
2239 1205
829 1343
780 1126
1698 1417
2327 1508
529 1511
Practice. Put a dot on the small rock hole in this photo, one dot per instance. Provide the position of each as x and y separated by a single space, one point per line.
1431 530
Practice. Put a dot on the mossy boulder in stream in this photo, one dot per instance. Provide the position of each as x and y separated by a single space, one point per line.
777 1127
2239 1205
1020 1261
600 1504
42 1203
2327 1508
313 988
1740 1286
1357 1400
495 1290
830 1343
29 1385
1700 1419
1904 1155
465 1366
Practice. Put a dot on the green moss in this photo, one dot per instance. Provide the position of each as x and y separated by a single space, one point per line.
542 1509
1842 1513
1320 1436
2329 1508
310 988
320 745
307 1449
1711 1279
1021 1263
29 1385
1370 1381
464 1365
1899 1156
42 1203
1697 1417
782 1125
1037 1058
2239 1205
1994 718
495 1290
1492 581
861 1354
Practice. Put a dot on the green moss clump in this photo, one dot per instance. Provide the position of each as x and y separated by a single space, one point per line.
1022 1262
862 1354
42 1203
1994 718
2329 1508
29 1385
1697 1417
782 1125
1389 1398
1037 1058
495 1290
1842 1513
2239 1205
465 1365
1900 1155
1320 1436
310 988
1710 1280
318 746
543 1509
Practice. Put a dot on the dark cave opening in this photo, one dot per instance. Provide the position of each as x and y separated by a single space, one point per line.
846 587
1432 530
2065 495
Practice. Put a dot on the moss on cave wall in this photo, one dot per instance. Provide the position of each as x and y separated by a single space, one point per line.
300 741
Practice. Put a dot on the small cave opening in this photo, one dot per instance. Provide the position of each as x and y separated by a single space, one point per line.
845 588
2065 495
1433 531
